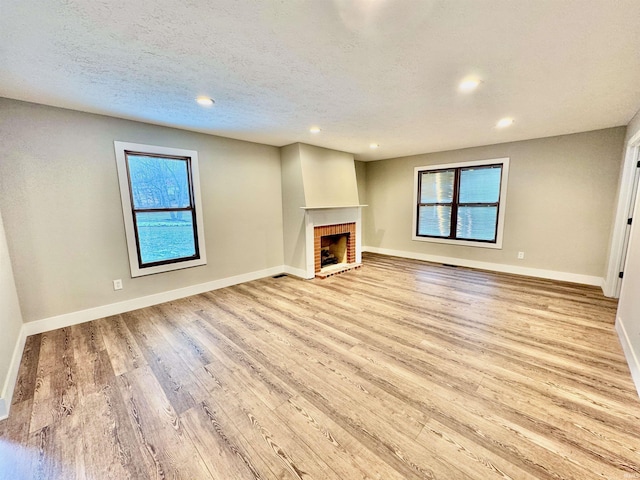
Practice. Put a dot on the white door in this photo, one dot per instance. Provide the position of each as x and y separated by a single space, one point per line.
630 220
627 193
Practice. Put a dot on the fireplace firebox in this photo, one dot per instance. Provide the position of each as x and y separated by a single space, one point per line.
334 245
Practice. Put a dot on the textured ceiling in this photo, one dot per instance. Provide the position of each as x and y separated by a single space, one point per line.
382 71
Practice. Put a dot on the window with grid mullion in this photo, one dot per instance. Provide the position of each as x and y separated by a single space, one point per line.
471 207
162 208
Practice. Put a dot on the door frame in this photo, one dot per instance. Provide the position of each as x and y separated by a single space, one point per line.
612 282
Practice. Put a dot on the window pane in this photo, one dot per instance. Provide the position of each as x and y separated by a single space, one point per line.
158 182
477 223
165 236
437 187
434 221
480 185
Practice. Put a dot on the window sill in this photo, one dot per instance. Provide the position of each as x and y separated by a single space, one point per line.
465 243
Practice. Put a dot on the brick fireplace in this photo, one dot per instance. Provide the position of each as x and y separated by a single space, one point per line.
327 222
347 230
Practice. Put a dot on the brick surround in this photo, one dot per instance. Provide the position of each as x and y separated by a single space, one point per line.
341 228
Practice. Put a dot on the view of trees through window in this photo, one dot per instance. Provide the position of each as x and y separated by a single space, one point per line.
163 211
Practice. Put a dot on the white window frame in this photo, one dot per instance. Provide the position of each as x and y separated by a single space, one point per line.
123 178
501 211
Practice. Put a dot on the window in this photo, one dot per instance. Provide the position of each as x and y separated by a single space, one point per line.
160 194
461 203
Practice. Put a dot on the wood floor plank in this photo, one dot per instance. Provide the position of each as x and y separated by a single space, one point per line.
319 371
253 418
111 448
187 346
172 373
87 338
158 427
383 438
225 423
399 370
59 449
56 391
268 388
224 457
284 445
470 457
124 352
28 371
349 457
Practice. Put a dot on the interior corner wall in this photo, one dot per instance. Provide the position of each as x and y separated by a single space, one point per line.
10 320
560 199
293 200
361 178
62 212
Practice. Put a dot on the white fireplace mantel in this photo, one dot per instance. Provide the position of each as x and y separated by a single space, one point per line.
327 207
320 216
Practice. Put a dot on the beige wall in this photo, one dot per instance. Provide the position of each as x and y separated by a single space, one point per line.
329 177
10 316
292 202
361 177
561 194
63 218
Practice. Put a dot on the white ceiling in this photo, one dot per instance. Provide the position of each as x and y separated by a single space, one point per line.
382 71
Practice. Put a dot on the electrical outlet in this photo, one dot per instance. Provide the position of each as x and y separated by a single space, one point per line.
520 255
117 284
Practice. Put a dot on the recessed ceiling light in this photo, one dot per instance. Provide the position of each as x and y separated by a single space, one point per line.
374 146
504 122
205 101
468 85
314 129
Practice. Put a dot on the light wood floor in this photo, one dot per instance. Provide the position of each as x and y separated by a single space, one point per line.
399 370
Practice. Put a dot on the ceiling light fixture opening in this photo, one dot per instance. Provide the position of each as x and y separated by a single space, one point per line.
205 101
314 129
468 85
504 122
374 146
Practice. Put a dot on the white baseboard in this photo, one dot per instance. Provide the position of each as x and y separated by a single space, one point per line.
629 353
494 267
74 318
12 375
